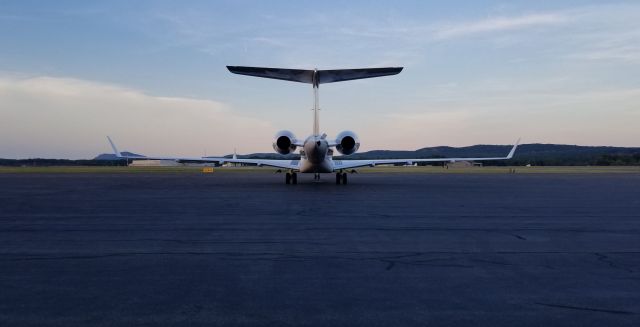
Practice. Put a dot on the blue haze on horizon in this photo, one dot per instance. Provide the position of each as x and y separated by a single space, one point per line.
152 74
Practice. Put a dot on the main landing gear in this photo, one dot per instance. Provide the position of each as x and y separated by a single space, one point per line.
291 178
341 178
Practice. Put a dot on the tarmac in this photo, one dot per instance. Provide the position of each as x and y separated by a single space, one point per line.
388 249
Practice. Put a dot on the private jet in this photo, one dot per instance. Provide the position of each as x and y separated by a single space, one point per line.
316 151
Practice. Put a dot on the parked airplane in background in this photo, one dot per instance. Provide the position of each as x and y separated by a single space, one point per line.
316 153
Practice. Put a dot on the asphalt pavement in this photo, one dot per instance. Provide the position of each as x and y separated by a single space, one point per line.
385 250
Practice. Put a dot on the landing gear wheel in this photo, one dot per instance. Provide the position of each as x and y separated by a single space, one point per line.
344 178
338 178
294 178
287 178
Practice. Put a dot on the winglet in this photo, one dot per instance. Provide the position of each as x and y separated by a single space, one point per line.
513 150
113 146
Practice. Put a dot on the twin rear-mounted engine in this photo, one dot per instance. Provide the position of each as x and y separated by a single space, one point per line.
346 143
284 142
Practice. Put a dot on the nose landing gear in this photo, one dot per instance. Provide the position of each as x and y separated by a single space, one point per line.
316 177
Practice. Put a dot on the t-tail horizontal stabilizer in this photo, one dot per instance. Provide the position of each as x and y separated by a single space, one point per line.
314 77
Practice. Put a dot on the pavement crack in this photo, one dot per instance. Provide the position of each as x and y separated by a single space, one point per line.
571 307
520 237
493 262
390 265
606 259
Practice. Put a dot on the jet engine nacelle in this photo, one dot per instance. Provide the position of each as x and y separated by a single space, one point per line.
284 142
347 143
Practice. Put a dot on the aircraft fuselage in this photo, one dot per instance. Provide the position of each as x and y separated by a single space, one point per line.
316 158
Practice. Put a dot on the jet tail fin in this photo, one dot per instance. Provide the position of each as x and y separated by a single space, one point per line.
314 76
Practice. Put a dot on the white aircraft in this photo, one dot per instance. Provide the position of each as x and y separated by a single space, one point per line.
316 153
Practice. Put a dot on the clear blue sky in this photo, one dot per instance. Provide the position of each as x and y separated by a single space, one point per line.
152 74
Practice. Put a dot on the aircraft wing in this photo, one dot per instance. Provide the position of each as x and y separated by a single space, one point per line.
347 164
286 164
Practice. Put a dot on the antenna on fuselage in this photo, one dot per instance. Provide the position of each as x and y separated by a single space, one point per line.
314 77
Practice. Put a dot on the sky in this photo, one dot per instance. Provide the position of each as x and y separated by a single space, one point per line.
151 74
